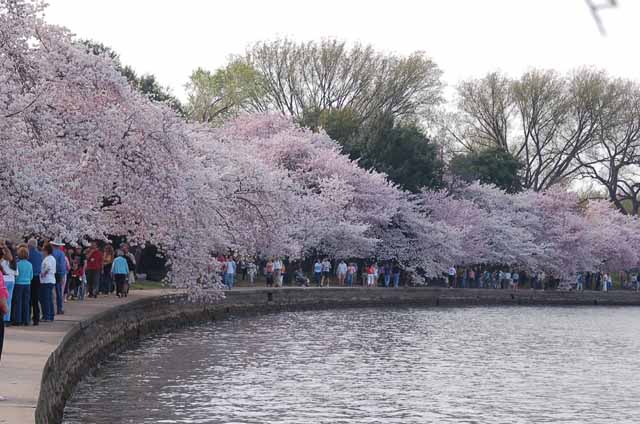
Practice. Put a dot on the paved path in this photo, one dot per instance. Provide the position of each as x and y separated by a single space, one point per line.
26 350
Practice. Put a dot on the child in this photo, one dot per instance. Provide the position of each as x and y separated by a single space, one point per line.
75 277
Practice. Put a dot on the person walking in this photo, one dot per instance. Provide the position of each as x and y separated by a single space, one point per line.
9 276
22 291
35 258
106 280
47 283
93 269
60 274
120 272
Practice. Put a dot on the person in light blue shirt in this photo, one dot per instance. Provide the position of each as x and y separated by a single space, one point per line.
120 272
230 273
317 272
22 291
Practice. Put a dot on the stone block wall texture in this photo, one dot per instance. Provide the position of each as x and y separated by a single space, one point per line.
93 340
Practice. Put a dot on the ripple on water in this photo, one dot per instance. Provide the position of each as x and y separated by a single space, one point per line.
379 365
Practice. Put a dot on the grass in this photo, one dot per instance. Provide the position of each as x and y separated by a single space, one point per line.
147 285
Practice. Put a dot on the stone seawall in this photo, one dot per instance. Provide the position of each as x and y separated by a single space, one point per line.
91 341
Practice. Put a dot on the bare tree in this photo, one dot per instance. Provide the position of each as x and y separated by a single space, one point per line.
543 119
541 101
486 111
300 78
613 162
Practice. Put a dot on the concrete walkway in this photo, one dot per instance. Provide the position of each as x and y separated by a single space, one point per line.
26 350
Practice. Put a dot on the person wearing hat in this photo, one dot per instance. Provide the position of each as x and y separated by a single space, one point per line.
61 273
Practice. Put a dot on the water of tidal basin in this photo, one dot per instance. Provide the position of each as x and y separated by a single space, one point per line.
379 365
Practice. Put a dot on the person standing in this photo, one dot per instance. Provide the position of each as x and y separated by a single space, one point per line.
78 273
579 279
243 268
93 269
317 273
23 287
47 283
35 258
106 280
230 273
341 270
515 277
605 282
471 277
252 270
120 272
131 262
4 309
277 272
268 273
60 275
9 275
371 275
351 273
451 274
326 272
385 271
396 275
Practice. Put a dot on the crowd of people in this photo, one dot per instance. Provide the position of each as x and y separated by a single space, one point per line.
278 272
508 278
39 277
323 272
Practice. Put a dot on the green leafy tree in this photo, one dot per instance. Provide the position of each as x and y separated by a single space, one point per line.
215 96
405 154
492 165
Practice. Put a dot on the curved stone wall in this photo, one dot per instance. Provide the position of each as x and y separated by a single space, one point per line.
93 340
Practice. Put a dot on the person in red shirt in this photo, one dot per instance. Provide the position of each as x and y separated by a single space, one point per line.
93 268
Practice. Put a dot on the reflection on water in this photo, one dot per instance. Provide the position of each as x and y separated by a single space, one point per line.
384 365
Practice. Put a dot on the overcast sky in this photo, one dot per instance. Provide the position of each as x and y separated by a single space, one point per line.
464 37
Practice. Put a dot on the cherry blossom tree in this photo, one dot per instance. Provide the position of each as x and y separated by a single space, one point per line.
83 156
